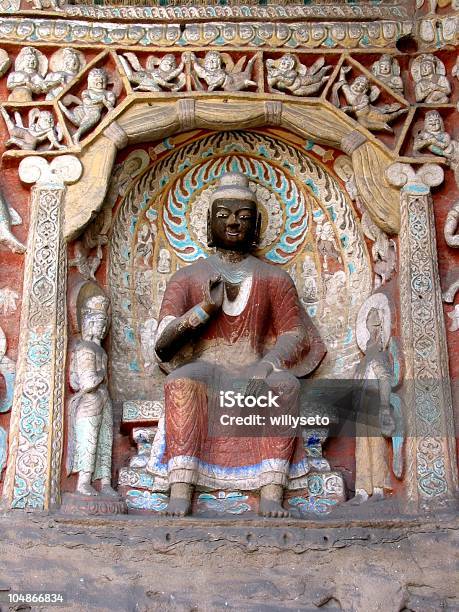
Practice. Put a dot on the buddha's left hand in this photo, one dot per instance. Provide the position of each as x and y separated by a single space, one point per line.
260 371
257 374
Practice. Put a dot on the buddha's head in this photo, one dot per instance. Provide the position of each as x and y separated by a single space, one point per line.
233 221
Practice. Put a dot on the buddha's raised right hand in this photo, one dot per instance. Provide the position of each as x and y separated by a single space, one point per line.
213 295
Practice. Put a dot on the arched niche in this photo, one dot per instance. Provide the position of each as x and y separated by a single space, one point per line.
309 227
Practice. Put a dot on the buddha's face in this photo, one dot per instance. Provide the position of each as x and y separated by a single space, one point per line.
233 224
317 32
373 30
245 31
339 32
156 33
229 32
131 166
80 31
193 33
302 33
24 30
61 29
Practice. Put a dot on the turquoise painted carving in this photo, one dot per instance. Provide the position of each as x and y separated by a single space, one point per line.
314 505
144 500
233 502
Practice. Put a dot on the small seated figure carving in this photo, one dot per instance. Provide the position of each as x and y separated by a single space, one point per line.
94 99
41 128
387 70
91 421
287 74
65 64
231 77
437 140
159 73
431 83
359 97
27 78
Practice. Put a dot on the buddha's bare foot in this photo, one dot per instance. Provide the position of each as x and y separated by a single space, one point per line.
271 508
108 491
271 502
179 500
177 506
86 489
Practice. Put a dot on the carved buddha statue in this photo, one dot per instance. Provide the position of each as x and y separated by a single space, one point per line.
230 319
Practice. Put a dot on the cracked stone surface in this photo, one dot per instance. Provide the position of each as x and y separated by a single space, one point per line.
149 563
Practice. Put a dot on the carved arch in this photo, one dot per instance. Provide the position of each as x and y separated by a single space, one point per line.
318 122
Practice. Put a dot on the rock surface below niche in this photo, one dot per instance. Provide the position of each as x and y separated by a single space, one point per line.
127 563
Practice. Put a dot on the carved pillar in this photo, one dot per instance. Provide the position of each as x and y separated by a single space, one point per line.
35 442
431 469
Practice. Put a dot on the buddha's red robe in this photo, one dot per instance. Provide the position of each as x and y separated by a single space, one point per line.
271 325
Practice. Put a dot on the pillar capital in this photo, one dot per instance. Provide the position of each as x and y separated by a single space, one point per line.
57 173
415 182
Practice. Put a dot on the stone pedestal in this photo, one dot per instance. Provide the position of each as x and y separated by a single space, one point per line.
88 505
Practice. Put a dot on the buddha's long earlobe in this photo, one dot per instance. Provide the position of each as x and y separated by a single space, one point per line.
257 233
210 237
